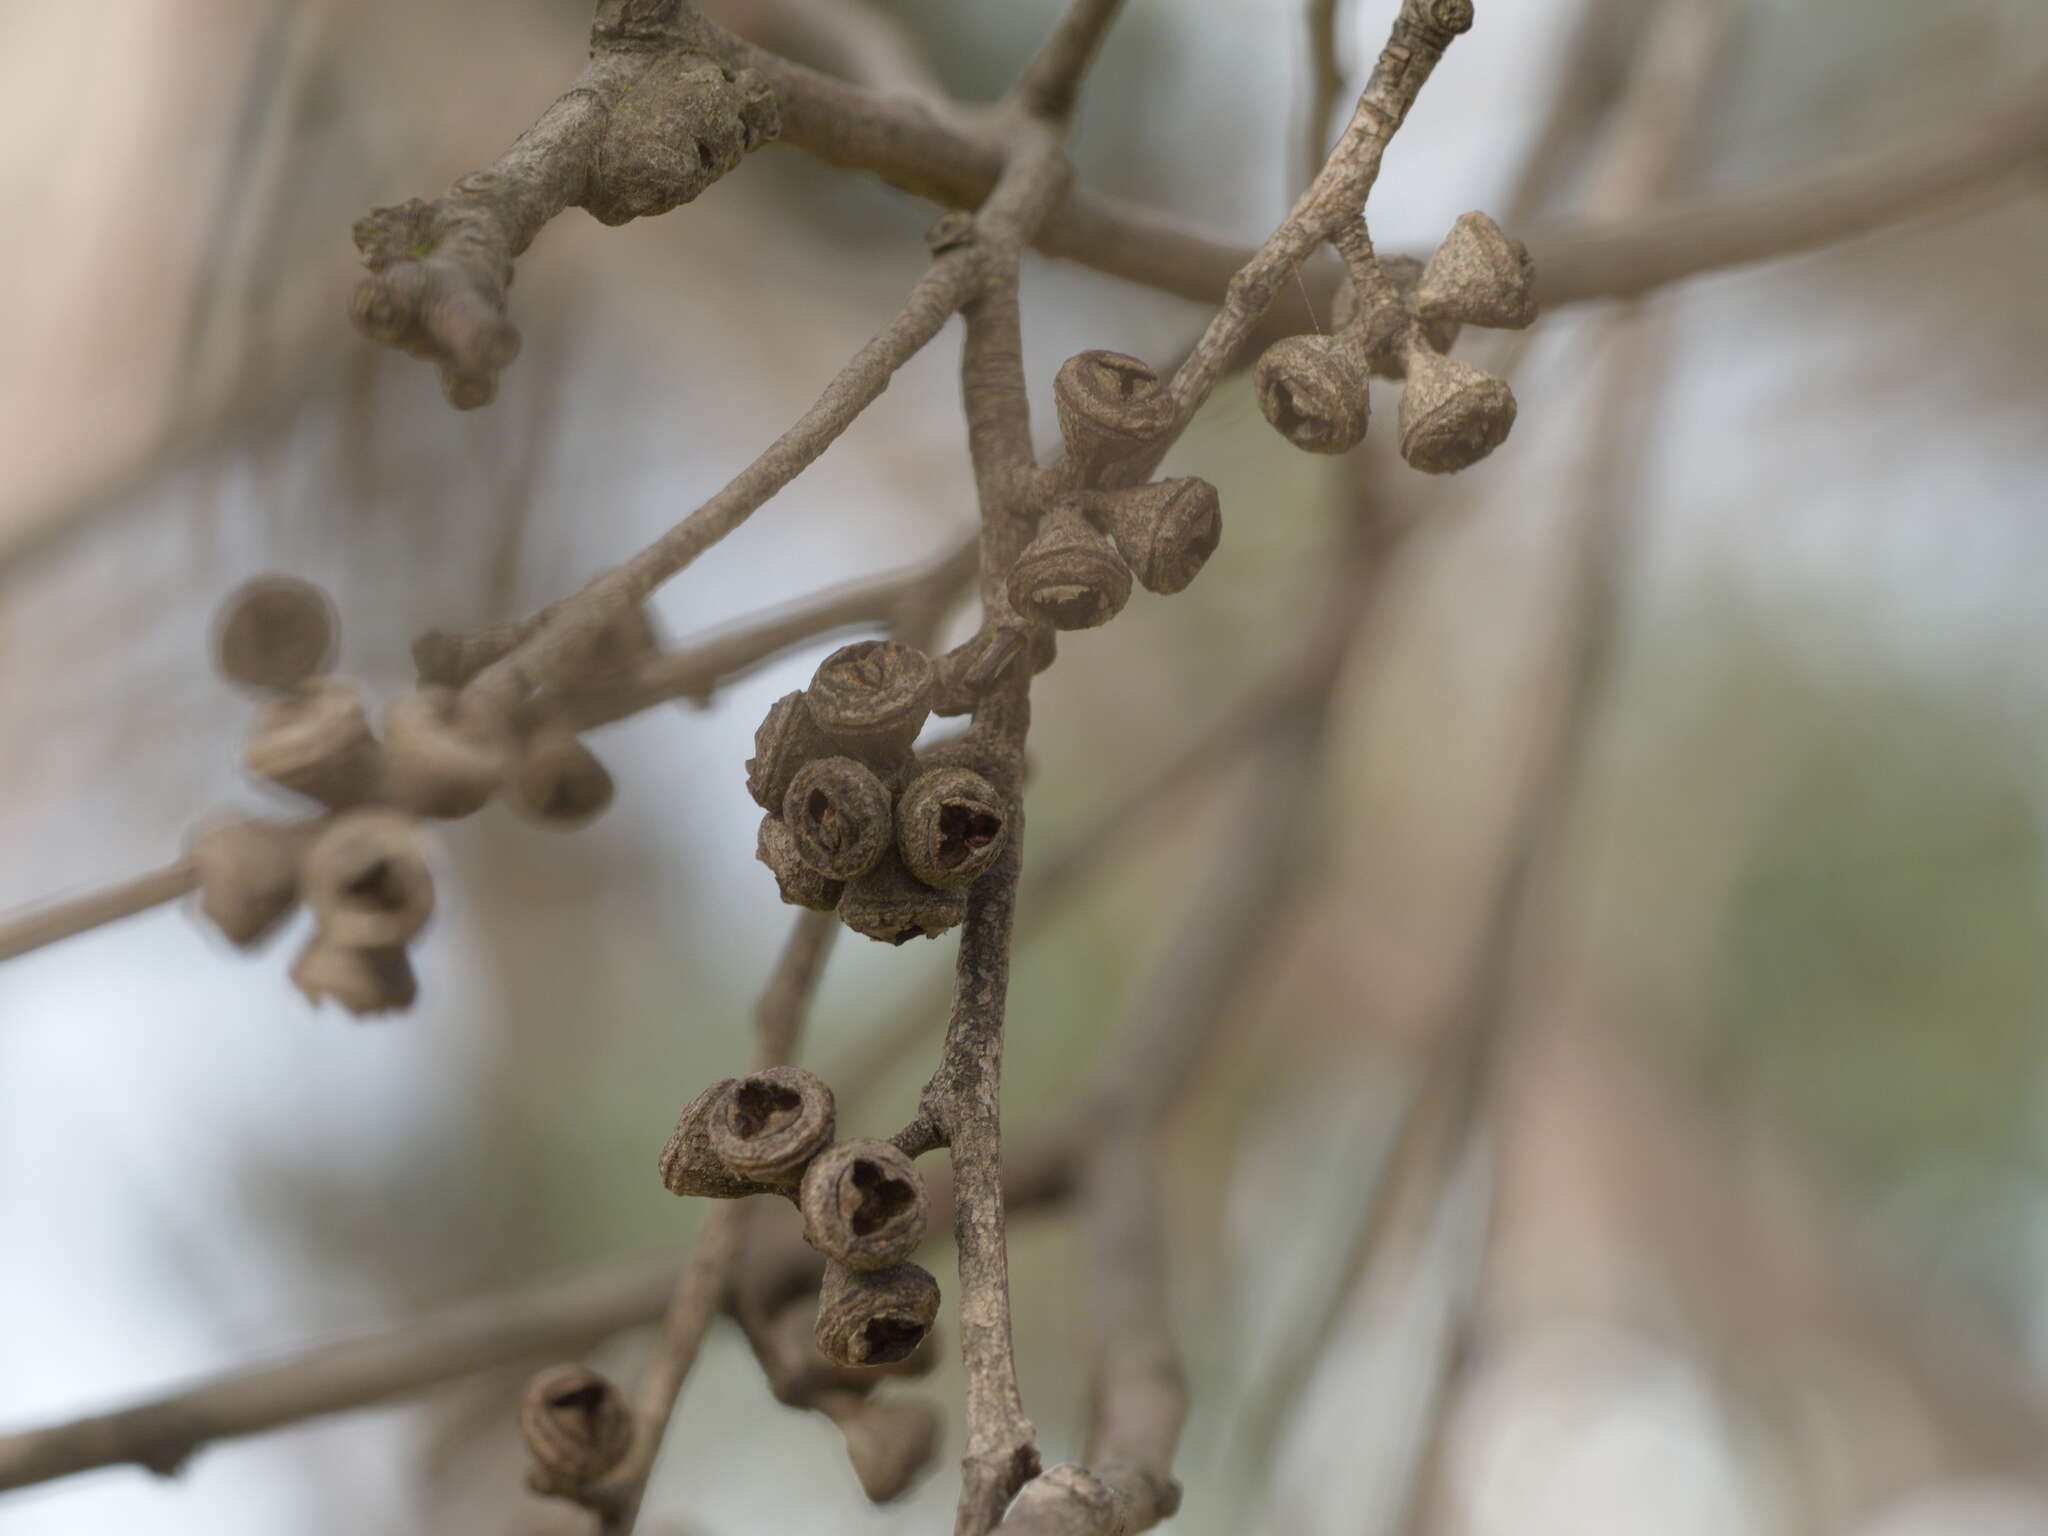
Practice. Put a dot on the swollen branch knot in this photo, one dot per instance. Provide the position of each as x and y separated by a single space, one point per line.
659 114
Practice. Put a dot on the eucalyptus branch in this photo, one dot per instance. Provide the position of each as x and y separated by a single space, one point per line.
68 917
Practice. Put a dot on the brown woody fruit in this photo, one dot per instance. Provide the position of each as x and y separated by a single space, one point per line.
1166 530
874 1316
274 632
892 906
951 826
366 881
872 697
248 875
1110 407
787 1347
438 761
558 781
1314 390
1452 414
364 981
577 1427
796 882
689 1166
1480 275
1069 575
864 1204
768 1125
888 1441
838 816
315 741
786 740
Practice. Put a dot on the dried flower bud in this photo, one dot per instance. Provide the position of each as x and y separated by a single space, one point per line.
248 875
838 816
1069 575
888 1441
872 697
769 1125
315 741
796 882
689 1166
1480 275
891 905
559 781
1166 530
864 1204
1110 406
1313 390
1452 414
364 981
874 1316
786 740
366 881
437 760
950 826
274 631
576 1425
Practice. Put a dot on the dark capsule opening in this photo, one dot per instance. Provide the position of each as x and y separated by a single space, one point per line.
581 1409
889 1339
964 830
379 886
822 817
882 1198
758 1107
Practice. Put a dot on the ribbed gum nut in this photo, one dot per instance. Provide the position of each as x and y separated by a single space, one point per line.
796 882
576 1425
315 741
366 881
248 875
889 1442
558 781
769 1125
864 1204
273 632
1069 575
892 906
436 762
874 1316
1166 530
689 1166
1314 390
872 697
1452 414
364 981
1110 405
951 826
786 740
1480 275
837 814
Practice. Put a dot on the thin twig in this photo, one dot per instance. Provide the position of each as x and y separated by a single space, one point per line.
1325 83
57 920
701 1287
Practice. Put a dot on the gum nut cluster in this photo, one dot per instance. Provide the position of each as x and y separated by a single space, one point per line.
856 823
863 1201
1400 323
359 866
1076 572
